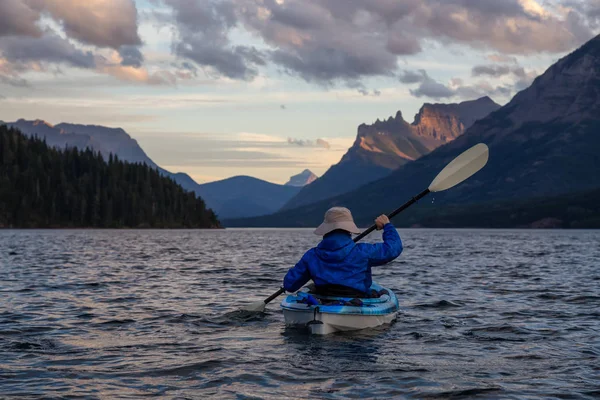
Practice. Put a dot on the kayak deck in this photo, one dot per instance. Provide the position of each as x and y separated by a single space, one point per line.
332 313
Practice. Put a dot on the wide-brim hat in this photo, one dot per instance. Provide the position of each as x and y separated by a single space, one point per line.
337 218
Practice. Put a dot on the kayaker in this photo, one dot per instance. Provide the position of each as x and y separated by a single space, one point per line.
338 266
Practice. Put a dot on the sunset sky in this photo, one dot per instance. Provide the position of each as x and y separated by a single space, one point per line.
269 87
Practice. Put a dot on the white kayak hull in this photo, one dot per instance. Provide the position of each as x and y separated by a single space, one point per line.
323 315
331 323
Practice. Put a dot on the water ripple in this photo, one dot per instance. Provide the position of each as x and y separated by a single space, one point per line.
130 314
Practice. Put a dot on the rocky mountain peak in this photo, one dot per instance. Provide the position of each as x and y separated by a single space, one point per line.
36 127
438 124
38 122
95 130
302 179
434 125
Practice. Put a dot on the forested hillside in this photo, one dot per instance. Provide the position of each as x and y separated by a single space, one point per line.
43 187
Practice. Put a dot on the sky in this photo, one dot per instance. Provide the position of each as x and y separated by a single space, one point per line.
267 88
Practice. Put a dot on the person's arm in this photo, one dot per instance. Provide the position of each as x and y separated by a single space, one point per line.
297 276
382 253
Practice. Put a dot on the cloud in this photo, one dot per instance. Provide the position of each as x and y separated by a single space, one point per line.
412 76
432 89
323 143
21 54
309 143
490 70
336 41
429 87
24 46
510 26
203 30
314 41
16 18
327 42
49 48
403 45
114 65
299 142
524 78
184 70
13 81
236 63
576 9
102 23
365 92
502 58
480 89
131 56
500 70
9 74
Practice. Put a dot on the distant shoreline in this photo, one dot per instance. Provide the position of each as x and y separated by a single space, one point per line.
107 229
295 227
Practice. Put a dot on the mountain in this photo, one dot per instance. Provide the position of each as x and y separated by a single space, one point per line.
100 138
232 198
302 179
111 140
543 143
45 187
386 145
244 196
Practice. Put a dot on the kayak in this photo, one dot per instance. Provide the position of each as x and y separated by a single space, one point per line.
328 314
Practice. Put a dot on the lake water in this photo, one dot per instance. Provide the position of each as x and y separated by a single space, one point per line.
129 314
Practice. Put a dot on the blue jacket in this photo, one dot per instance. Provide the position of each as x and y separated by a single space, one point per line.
337 260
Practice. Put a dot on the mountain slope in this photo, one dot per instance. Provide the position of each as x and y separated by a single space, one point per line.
384 146
100 138
242 196
544 142
111 140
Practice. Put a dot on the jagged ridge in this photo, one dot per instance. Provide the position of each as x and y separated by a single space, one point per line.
384 146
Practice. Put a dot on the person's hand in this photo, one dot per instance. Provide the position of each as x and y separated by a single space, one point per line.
381 221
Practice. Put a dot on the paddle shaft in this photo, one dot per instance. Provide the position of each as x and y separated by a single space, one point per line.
274 296
394 213
365 233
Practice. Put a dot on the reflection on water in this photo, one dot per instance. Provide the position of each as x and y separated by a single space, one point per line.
105 314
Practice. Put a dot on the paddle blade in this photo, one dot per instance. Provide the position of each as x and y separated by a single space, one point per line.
461 168
258 306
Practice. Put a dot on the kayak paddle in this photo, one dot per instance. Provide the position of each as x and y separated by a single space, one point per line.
461 168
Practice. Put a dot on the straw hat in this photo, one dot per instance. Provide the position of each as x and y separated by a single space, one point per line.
337 218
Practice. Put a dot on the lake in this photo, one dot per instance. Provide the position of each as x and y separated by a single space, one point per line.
142 313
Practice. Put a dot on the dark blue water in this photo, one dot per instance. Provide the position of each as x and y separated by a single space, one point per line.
130 314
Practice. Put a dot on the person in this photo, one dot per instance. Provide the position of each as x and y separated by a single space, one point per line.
338 266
